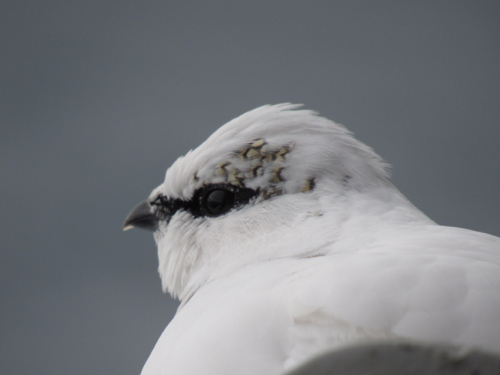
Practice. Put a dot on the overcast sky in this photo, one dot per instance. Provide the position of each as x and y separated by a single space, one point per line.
98 98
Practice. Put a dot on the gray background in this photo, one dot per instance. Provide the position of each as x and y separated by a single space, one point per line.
98 98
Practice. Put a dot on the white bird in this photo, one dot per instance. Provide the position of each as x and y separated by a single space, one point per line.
282 237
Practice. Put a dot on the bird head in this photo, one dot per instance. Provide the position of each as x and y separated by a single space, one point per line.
254 191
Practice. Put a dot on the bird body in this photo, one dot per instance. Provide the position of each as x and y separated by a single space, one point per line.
283 237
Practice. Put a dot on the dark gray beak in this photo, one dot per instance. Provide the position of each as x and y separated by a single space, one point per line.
141 217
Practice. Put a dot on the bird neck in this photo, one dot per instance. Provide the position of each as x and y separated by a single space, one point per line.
302 226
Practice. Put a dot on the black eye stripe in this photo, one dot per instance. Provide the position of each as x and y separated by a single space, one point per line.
165 207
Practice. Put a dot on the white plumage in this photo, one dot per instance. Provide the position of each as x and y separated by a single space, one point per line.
282 237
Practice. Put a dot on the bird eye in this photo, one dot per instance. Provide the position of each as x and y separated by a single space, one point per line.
219 201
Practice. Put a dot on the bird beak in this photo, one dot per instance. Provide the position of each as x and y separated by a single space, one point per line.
141 217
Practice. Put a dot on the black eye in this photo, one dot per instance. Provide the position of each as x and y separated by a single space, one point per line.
219 201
